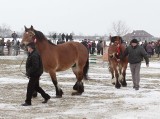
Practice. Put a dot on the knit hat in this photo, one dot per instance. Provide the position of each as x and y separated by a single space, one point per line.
134 41
31 45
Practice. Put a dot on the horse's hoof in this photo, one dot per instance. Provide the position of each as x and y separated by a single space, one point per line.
58 96
124 85
118 87
76 93
86 78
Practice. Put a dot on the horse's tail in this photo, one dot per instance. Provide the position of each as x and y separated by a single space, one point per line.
85 69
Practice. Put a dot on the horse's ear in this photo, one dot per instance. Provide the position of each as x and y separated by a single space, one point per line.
110 37
32 27
120 39
25 28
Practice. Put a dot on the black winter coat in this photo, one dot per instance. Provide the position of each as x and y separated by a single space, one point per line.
34 67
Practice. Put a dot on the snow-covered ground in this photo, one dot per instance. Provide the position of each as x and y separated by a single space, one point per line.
101 100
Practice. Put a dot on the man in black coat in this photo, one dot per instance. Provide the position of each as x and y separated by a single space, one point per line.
34 70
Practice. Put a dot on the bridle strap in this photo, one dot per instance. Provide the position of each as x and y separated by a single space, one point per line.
33 37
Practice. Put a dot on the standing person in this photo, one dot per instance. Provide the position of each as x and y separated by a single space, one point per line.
14 36
12 48
93 47
85 43
157 48
63 36
67 37
145 44
54 37
59 37
89 47
135 55
71 37
99 48
34 70
2 44
18 48
149 49
8 44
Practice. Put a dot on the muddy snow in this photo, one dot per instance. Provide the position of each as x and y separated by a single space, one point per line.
101 100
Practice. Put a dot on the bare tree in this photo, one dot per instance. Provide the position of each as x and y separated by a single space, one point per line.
5 31
119 28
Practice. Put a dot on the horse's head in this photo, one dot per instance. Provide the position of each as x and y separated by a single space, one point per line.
115 39
28 36
114 50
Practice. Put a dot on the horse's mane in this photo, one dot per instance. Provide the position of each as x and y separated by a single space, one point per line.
51 42
40 36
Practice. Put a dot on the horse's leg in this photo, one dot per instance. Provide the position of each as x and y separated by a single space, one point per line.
124 83
117 84
85 70
59 91
120 66
79 84
113 78
112 73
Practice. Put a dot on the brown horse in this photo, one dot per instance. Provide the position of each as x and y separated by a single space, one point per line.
117 64
59 58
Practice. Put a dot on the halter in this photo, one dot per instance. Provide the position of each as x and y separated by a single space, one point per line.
33 38
117 53
118 50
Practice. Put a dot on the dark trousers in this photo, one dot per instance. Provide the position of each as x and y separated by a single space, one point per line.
135 70
33 85
93 50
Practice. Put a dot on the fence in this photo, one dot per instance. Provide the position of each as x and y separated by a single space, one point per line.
12 52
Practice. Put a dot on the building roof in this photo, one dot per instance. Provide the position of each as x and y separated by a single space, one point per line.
138 33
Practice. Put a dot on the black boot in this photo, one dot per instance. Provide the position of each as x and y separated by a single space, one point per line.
26 104
46 99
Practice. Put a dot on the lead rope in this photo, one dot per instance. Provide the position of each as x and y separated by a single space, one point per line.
20 67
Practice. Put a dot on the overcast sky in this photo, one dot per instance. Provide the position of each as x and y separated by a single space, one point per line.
88 17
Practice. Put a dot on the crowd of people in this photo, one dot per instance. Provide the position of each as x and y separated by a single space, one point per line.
151 48
61 38
94 47
91 45
13 46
